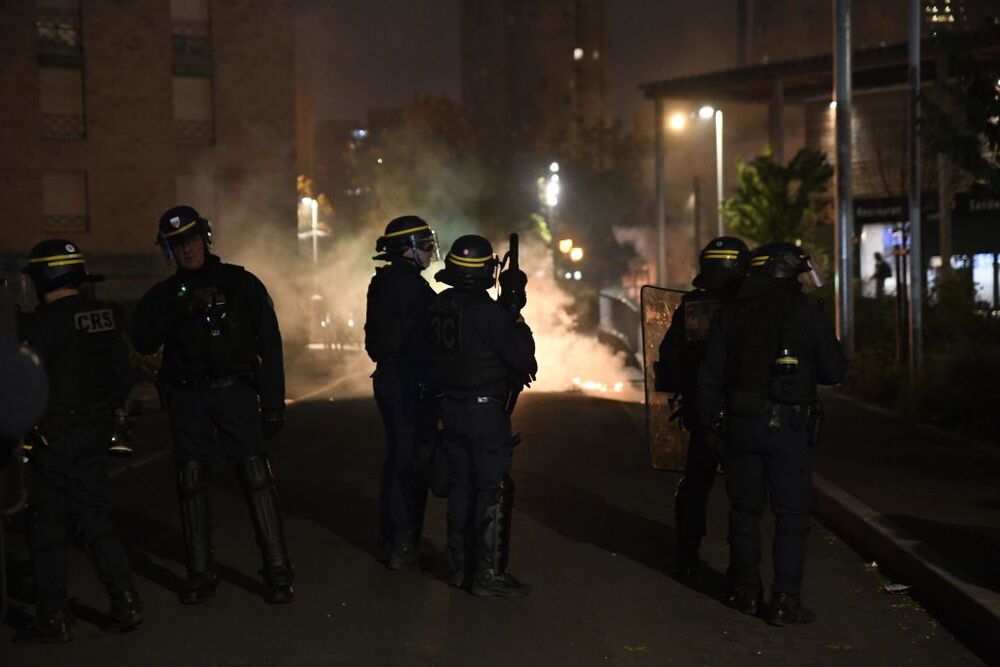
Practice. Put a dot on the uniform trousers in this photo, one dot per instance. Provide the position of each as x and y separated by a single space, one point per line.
71 491
761 463
409 420
479 451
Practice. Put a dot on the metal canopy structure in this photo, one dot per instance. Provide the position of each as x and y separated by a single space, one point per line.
803 79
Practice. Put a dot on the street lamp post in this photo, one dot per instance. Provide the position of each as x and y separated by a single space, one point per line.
707 113
718 166
313 228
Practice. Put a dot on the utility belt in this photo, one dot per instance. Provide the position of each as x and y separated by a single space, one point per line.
499 399
212 382
800 416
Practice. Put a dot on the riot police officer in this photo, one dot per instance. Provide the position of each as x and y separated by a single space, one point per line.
482 351
722 265
396 340
757 392
82 351
224 387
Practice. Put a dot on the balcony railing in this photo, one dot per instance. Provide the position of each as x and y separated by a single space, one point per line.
194 132
65 223
63 126
58 31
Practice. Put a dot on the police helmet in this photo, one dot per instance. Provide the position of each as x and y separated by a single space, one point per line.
471 263
57 263
722 261
406 232
779 260
177 225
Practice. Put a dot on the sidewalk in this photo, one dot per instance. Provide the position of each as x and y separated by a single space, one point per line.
923 504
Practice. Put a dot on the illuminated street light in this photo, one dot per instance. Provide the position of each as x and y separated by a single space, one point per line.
552 191
706 112
577 275
576 254
833 105
677 122
554 167
565 245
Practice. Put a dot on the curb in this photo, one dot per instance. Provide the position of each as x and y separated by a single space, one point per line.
970 611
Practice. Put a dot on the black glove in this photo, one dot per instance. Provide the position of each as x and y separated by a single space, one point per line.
271 421
512 284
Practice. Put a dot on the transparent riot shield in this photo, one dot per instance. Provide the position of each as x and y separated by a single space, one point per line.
667 441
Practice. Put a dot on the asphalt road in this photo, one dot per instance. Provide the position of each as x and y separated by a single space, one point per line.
593 534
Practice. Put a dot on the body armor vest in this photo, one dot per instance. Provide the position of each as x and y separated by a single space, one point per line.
765 334
461 359
80 364
214 324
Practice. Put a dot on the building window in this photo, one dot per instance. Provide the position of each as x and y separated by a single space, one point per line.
193 110
64 201
58 26
191 37
61 101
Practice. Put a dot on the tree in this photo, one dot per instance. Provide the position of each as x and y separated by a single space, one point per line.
773 202
962 117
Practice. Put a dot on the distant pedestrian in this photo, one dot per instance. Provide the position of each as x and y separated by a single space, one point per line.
82 351
396 339
882 273
757 392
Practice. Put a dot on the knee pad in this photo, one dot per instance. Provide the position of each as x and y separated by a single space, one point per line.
192 478
255 473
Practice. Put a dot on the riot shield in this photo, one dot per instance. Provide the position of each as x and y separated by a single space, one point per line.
668 442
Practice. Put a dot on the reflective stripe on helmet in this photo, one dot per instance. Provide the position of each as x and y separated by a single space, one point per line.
407 231
54 258
721 254
469 262
66 262
180 230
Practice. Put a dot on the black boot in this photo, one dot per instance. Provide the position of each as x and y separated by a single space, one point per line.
49 627
262 500
460 545
747 600
125 613
787 609
493 522
192 487
405 552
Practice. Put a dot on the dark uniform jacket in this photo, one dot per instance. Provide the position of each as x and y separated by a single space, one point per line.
478 349
683 348
396 320
215 322
83 353
749 334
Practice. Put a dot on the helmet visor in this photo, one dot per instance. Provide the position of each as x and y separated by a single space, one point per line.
811 278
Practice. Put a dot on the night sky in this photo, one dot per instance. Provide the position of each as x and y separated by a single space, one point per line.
378 53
